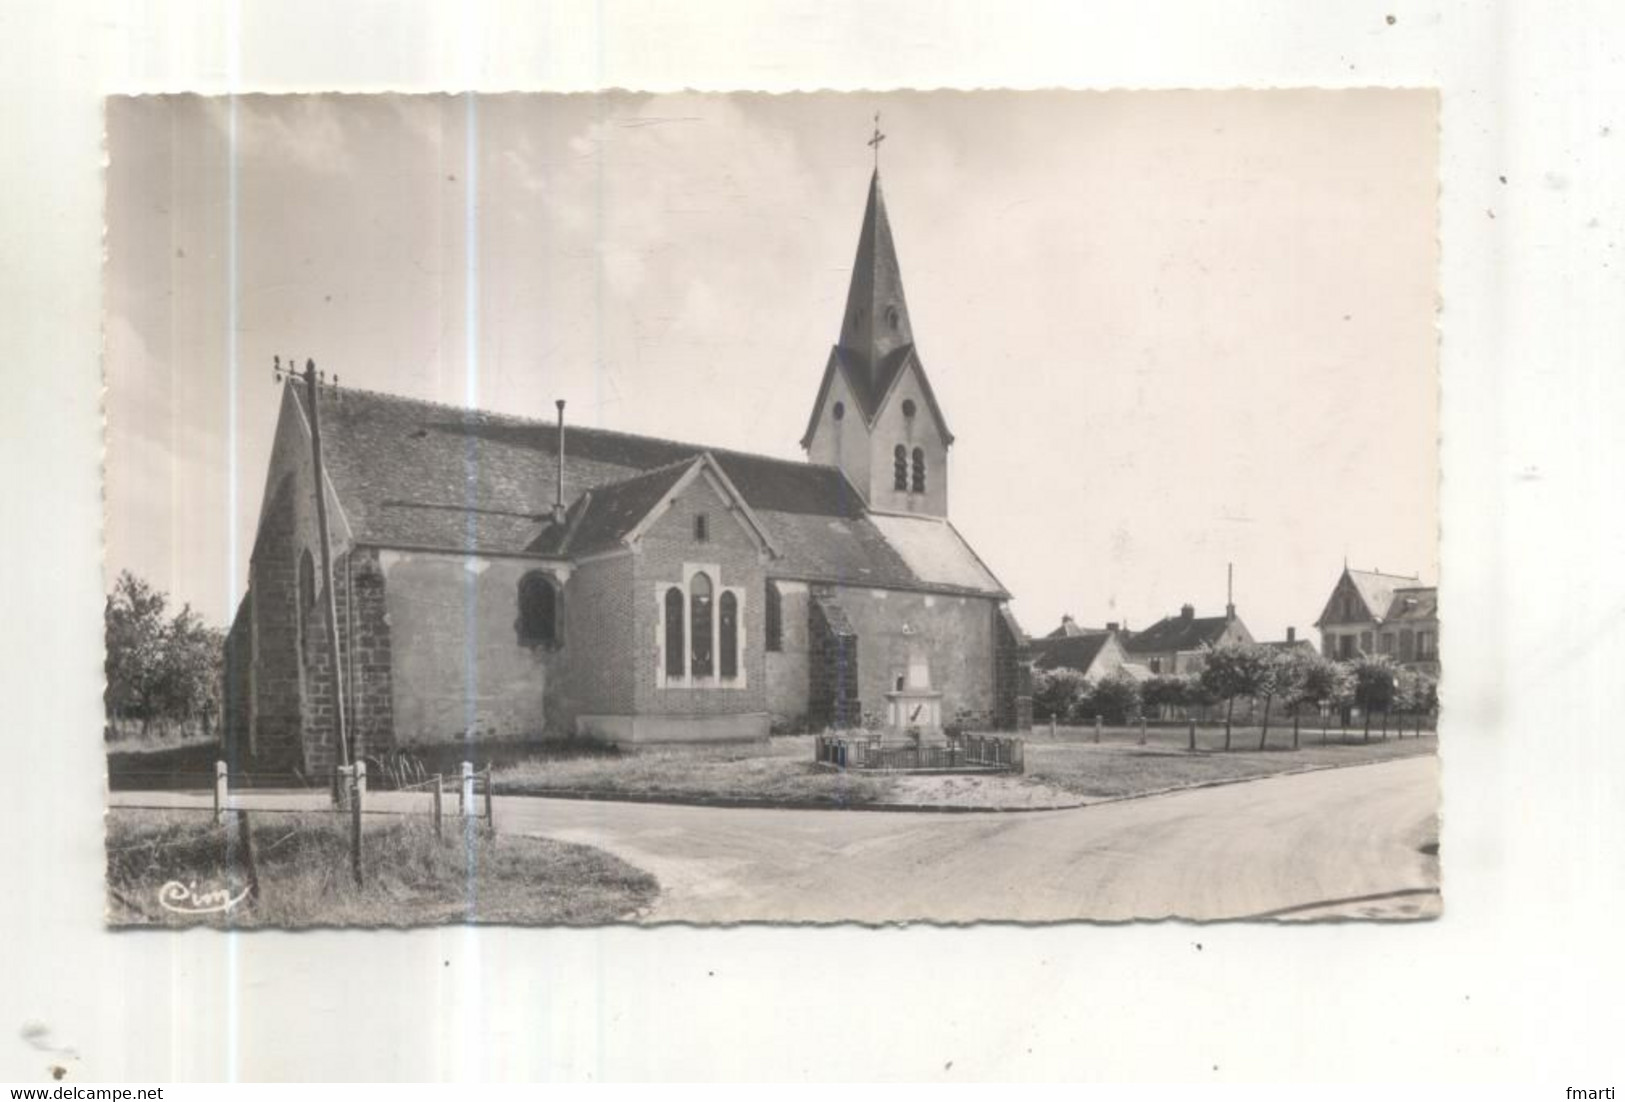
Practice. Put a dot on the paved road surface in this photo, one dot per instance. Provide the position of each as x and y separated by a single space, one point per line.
1335 843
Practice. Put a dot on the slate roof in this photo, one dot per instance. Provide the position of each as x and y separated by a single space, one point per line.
1176 633
410 473
1073 652
1377 590
1413 603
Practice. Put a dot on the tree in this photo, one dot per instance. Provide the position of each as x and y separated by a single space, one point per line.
1323 683
1374 684
1164 692
135 644
158 669
1232 670
1115 698
1291 672
1057 694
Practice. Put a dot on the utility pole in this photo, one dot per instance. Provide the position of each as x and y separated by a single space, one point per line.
330 607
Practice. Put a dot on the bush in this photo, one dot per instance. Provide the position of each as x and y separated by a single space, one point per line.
1115 699
1057 694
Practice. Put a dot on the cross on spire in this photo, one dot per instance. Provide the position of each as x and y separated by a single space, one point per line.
875 141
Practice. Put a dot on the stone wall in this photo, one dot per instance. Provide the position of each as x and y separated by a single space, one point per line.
787 667
458 668
954 636
833 696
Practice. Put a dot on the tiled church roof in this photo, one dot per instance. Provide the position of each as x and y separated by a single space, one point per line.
410 473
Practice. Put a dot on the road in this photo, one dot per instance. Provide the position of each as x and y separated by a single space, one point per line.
1335 843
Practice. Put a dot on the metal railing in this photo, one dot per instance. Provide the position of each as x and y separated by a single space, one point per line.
958 754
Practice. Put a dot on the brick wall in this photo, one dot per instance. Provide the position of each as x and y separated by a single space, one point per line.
277 740
596 677
954 635
787 668
458 667
733 560
237 685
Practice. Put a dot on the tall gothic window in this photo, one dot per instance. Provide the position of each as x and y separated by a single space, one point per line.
774 635
675 650
538 611
899 463
699 625
919 471
728 629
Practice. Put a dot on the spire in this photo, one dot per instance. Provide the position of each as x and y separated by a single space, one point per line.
876 322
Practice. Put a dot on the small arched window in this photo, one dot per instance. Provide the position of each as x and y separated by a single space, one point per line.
675 652
538 611
908 407
699 626
728 631
899 463
919 471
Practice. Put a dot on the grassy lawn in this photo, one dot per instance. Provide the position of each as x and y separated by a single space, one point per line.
1119 766
1062 767
780 770
411 877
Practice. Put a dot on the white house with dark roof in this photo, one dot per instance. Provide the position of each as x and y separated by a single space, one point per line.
501 577
1369 612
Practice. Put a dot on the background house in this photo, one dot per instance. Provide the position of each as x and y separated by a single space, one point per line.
1370 612
1176 644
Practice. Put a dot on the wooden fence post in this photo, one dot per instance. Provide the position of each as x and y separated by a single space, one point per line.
490 806
439 780
245 843
1142 730
221 793
1052 725
465 793
358 785
1192 745
1097 727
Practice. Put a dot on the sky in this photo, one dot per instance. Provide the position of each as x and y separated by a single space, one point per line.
1169 330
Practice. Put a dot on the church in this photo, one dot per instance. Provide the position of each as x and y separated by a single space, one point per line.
507 578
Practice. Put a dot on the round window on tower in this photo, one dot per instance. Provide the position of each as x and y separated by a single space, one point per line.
839 411
908 407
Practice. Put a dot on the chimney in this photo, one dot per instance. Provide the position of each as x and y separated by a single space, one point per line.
558 494
1187 612
1291 635
1067 621
1229 591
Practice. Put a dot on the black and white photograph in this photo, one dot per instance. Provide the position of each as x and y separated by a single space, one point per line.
940 507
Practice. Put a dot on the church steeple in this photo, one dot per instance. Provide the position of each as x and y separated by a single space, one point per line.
875 416
875 329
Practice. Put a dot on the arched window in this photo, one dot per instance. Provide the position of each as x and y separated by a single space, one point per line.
728 629
919 471
538 611
899 464
774 635
699 626
675 651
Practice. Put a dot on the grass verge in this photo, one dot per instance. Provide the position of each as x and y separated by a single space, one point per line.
1118 766
411 878
779 771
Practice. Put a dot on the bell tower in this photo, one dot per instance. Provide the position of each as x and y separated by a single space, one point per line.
876 417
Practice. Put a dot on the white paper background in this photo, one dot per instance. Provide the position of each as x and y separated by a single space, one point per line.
1520 980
